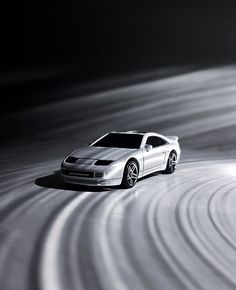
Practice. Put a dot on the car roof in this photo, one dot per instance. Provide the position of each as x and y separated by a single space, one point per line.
128 132
138 132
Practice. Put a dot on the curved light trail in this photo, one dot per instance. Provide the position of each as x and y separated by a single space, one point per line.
168 232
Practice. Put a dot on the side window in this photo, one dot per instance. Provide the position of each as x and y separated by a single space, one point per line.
155 141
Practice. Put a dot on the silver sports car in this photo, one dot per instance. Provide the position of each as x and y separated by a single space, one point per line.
121 158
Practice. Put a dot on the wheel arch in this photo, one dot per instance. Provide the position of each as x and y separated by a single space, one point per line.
124 182
168 154
173 151
132 159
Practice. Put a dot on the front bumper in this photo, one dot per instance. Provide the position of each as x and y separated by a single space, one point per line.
91 175
90 181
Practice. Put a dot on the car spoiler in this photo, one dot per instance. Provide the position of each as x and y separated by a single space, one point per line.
173 139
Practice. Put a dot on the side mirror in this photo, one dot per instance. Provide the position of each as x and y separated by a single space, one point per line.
148 147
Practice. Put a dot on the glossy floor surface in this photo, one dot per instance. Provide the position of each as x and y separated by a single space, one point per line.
168 232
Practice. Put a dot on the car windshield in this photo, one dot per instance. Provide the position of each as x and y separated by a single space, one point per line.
119 140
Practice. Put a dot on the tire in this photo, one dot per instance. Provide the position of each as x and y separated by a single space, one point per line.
130 175
171 163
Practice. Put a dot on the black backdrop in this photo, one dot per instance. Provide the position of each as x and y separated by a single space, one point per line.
98 40
111 37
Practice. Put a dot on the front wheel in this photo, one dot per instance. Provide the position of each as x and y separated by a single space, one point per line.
171 163
130 175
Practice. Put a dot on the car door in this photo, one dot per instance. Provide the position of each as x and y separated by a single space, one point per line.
154 158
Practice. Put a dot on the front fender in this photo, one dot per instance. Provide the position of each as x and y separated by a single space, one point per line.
138 156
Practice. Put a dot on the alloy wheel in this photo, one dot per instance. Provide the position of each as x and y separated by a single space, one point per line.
132 174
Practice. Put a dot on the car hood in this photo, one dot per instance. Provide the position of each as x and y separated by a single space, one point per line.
101 153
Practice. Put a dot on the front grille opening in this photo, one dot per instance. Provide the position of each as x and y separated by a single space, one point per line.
99 174
71 159
85 174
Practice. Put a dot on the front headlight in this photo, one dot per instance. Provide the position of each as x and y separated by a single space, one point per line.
103 162
71 159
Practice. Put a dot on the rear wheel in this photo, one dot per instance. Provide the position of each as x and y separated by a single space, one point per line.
171 163
130 175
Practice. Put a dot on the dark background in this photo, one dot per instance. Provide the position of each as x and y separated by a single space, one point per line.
48 44
107 36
